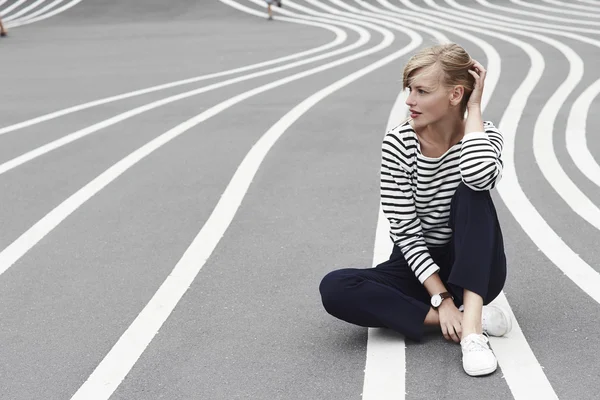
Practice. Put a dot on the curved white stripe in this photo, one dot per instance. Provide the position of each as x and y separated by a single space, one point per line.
341 37
383 31
590 2
497 20
24 10
8 9
564 8
513 10
460 10
42 10
30 19
125 353
543 146
576 130
516 10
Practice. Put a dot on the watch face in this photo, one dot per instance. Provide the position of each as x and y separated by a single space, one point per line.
436 300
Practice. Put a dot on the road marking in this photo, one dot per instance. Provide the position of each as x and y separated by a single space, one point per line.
562 10
385 366
576 131
8 9
24 10
515 10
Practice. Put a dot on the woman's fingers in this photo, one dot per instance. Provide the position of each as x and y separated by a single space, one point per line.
453 334
445 332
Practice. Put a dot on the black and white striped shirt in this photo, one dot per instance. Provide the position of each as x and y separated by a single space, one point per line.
416 190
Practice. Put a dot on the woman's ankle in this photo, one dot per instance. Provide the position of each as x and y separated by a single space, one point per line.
468 330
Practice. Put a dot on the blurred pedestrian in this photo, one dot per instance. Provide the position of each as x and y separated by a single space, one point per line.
2 29
269 10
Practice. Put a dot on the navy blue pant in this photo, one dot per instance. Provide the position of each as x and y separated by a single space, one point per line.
390 295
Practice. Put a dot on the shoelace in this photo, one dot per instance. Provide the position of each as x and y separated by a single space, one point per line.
476 343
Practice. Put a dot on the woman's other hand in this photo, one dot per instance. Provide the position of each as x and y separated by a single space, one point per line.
450 320
478 73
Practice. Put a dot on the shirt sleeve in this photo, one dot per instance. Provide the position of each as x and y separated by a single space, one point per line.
480 158
398 205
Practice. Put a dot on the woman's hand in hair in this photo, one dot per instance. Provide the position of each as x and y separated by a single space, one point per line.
450 320
478 73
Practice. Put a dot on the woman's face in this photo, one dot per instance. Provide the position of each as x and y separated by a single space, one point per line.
429 100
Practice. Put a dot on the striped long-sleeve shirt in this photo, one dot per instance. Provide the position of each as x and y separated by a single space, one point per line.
416 190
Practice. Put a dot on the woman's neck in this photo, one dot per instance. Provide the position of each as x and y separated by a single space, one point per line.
445 132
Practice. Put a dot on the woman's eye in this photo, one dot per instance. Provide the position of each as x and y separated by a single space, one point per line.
421 91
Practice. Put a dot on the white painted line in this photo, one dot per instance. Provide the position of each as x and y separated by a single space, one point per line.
34 234
31 18
543 146
341 37
385 367
24 10
576 133
576 6
42 10
121 358
498 19
14 5
516 10
513 10
524 25
291 4
521 369
590 2
564 8
44 149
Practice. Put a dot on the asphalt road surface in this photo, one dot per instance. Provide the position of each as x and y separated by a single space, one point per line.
177 176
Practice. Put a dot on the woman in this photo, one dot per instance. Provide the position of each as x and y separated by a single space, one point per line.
448 258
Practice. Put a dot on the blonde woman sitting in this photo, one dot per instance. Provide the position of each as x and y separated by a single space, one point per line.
436 175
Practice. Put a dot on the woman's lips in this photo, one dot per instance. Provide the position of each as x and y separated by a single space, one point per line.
414 114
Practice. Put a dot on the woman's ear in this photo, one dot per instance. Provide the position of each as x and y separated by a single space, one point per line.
456 94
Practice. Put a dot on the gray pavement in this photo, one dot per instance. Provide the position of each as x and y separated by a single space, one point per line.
251 325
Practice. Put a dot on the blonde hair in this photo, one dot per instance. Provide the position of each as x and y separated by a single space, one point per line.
453 62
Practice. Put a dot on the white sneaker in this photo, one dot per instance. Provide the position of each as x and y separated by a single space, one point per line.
495 321
478 358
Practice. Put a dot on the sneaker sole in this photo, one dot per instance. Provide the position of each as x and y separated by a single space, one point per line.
480 372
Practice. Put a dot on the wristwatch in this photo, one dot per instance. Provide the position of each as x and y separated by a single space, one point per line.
436 299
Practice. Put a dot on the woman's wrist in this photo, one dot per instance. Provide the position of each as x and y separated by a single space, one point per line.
474 121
